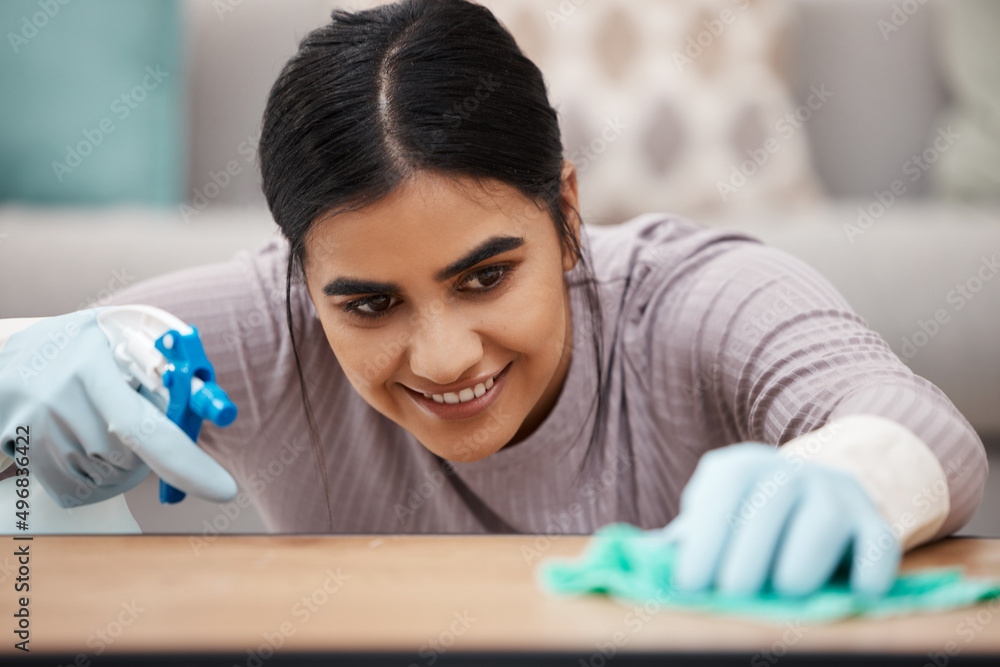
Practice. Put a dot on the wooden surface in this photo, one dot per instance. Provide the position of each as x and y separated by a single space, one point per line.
424 593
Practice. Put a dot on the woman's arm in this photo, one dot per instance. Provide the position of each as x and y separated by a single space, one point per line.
786 355
873 459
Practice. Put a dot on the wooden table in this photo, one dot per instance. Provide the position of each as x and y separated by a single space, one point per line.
431 598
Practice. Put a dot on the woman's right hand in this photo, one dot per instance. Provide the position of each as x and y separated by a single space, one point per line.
90 435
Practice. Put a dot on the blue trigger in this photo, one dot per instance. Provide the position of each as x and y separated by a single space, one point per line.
185 409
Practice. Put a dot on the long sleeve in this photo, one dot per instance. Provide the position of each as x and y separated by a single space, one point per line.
786 354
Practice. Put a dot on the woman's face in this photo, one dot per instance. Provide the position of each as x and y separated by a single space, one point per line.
447 310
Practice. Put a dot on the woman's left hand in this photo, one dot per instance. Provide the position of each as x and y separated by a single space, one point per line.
749 516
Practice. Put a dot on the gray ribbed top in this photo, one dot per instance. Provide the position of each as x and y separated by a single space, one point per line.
711 338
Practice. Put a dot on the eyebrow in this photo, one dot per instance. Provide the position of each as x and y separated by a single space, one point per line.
488 248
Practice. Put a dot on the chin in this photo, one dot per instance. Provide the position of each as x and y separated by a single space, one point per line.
465 441
465 452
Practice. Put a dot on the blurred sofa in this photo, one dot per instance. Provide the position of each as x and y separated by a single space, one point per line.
918 267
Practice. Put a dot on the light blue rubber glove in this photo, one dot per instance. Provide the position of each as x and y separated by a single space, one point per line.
750 517
91 435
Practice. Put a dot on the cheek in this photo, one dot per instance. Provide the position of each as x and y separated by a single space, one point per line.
533 322
530 321
366 356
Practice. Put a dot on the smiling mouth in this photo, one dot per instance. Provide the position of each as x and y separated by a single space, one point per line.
465 404
467 394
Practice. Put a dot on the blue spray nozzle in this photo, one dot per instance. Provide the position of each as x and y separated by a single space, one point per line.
194 396
211 403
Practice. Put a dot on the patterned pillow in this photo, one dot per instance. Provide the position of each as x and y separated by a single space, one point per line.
971 53
671 105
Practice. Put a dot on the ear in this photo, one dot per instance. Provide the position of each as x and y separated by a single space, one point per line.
570 203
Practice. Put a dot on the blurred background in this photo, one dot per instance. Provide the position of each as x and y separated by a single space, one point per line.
862 136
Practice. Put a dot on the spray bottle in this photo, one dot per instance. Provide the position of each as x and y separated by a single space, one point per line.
162 358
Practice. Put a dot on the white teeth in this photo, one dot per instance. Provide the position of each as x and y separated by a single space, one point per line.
463 396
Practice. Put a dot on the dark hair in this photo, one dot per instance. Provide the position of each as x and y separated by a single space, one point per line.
380 94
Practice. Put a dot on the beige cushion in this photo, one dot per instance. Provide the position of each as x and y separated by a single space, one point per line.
662 103
970 169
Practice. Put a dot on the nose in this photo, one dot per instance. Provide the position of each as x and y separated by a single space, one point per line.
444 346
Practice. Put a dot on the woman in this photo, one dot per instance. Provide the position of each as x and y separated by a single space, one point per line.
437 344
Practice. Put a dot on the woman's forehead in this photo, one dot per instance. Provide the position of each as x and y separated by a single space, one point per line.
424 215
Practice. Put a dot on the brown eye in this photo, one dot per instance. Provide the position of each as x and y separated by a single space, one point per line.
489 277
371 307
378 303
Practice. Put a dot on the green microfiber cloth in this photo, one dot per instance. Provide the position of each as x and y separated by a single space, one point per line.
627 562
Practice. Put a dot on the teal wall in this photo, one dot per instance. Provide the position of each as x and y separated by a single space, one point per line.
91 102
